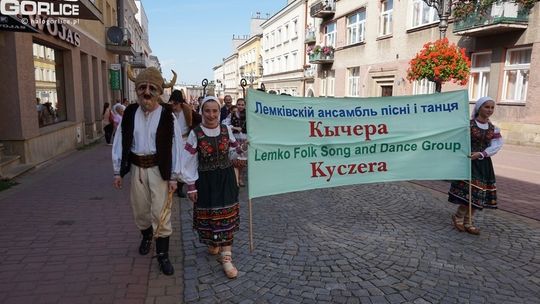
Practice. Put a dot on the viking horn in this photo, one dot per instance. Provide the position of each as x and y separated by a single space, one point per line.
173 81
130 74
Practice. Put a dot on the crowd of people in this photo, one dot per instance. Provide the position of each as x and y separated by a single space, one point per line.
168 145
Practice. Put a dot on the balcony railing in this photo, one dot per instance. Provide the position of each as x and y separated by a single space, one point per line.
321 58
501 17
120 44
139 61
310 37
323 9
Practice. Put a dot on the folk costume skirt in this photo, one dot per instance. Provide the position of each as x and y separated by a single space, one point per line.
484 190
216 214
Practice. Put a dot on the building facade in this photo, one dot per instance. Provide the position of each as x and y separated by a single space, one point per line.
283 50
52 99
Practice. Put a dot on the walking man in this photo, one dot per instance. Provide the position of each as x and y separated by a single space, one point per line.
147 145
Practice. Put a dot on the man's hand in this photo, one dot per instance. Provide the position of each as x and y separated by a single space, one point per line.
172 186
117 182
192 196
476 155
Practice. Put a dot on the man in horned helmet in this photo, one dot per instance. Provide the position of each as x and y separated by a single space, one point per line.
148 144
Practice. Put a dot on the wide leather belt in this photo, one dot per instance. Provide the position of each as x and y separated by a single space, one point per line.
143 161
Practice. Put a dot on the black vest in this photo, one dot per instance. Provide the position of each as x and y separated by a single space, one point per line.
164 140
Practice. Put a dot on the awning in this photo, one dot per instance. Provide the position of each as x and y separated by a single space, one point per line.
15 24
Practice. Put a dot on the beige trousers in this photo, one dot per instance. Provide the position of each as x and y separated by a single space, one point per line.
148 196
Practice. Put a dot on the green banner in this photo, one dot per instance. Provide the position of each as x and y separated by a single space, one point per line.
114 79
298 143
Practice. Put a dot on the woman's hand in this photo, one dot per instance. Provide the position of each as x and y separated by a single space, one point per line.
476 155
172 185
192 196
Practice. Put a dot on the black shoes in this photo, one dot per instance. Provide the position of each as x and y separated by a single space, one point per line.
162 250
146 241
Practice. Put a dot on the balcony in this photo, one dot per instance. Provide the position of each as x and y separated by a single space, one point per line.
321 58
310 37
323 9
139 61
502 17
119 41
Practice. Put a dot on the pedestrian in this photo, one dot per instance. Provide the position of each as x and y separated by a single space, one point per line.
211 182
486 141
40 111
187 119
107 122
225 110
147 145
238 122
116 113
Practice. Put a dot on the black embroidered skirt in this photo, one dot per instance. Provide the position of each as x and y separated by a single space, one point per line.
216 214
484 190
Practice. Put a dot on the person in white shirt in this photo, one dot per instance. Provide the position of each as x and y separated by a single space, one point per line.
187 119
148 144
486 141
209 174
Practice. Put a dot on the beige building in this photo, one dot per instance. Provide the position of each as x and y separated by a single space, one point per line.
373 41
250 61
67 65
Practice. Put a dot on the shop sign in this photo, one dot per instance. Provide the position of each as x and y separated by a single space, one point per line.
114 76
14 24
79 9
56 28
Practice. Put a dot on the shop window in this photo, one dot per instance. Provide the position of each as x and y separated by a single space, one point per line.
50 96
479 79
516 74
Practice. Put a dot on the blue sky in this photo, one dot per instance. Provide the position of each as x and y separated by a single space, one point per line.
192 37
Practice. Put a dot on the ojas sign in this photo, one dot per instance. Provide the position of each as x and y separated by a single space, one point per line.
56 28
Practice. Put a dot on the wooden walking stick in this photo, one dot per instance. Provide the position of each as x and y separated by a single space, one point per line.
166 211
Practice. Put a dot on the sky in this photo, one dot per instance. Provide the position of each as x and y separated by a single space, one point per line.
192 37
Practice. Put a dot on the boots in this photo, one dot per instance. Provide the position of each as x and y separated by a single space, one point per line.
162 250
146 241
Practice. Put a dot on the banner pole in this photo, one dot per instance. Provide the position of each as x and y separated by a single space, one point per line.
470 202
250 226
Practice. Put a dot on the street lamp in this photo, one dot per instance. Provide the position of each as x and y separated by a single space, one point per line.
444 10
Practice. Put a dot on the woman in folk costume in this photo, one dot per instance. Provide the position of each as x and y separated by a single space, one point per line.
208 172
486 141
238 122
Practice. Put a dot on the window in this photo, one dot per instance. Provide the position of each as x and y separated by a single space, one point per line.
516 74
286 62
328 83
386 17
423 86
330 34
356 27
273 40
286 33
295 28
423 13
294 60
279 37
479 79
50 100
354 81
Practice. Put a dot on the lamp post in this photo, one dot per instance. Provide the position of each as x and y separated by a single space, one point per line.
243 84
204 84
444 10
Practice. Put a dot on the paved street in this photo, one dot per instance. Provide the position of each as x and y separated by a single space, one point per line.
68 237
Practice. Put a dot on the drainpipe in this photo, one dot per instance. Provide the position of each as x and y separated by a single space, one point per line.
304 48
121 58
